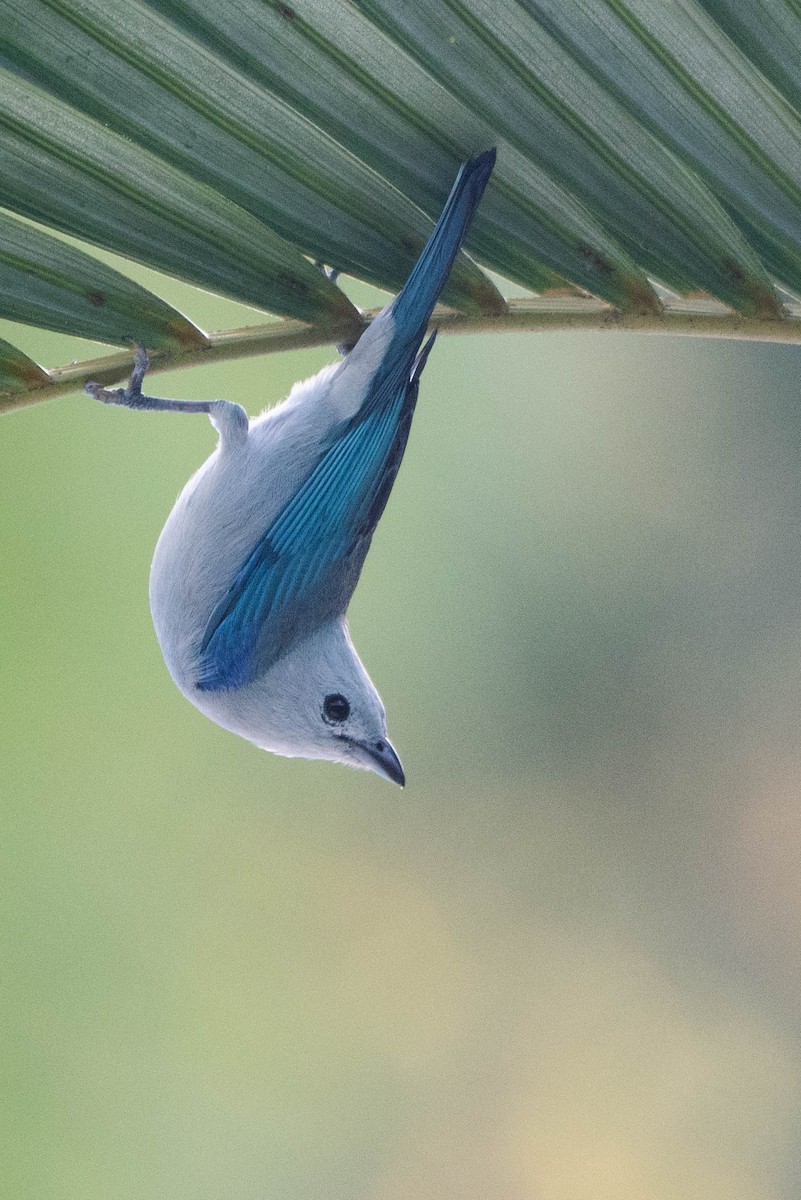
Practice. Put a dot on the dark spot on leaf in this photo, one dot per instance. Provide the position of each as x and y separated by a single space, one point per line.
286 12
596 260
292 284
99 299
734 270
409 243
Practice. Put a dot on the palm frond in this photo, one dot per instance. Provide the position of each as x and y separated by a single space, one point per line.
648 177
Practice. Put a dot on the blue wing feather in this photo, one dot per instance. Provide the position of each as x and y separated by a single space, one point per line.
329 518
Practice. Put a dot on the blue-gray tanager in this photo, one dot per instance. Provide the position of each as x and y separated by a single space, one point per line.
255 567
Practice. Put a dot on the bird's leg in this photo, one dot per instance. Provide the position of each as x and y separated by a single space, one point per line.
332 274
225 416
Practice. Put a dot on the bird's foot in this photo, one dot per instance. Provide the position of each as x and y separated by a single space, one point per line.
331 273
131 395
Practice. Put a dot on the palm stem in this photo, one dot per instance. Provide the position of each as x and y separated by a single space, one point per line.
680 317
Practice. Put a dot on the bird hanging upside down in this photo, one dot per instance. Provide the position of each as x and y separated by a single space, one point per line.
254 570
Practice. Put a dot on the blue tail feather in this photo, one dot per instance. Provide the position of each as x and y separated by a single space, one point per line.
414 304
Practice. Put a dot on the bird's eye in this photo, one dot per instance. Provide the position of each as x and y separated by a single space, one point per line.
335 709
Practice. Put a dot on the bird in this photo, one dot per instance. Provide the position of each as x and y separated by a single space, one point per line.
254 569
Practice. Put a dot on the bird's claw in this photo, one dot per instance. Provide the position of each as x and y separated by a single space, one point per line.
105 395
141 363
130 394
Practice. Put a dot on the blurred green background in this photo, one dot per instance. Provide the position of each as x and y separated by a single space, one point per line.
563 964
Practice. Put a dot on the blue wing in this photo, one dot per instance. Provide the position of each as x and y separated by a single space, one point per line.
303 570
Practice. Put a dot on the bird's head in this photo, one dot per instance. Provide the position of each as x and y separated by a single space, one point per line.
317 701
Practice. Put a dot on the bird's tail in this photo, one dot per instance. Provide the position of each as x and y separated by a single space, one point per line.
412 307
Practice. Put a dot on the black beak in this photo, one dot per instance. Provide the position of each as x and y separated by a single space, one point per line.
384 761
